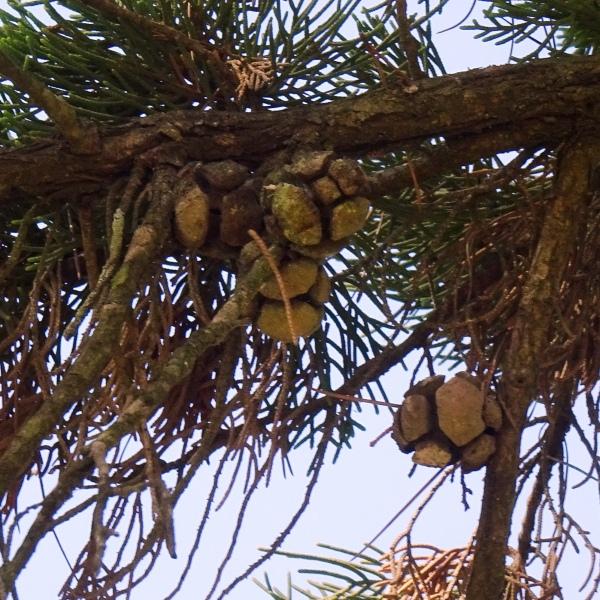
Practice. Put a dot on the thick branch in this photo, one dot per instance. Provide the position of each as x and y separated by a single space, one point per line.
497 99
519 384
98 348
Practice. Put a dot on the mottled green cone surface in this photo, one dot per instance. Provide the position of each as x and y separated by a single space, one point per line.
297 215
349 217
273 321
298 277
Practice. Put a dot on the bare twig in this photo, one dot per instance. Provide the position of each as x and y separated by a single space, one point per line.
426 485
559 423
161 501
409 43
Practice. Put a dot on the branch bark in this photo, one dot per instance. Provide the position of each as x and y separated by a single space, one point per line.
502 102
519 384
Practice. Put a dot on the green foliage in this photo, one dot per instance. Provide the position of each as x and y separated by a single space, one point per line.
348 576
551 27
111 70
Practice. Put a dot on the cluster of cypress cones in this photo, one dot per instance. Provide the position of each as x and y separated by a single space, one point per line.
442 423
313 205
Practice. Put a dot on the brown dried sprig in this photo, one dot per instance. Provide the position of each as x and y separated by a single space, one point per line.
252 75
425 572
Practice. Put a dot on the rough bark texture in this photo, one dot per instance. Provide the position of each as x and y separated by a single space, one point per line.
519 383
501 102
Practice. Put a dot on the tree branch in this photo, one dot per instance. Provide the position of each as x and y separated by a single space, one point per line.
519 384
177 368
559 421
97 350
159 31
456 152
464 104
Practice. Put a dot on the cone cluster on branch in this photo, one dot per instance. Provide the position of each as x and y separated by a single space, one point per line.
442 423
312 205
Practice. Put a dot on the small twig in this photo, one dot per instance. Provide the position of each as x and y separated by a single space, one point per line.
88 242
462 561
409 43
162 33
161 500
99 530
398 514
18 245
355 398
282 397
159 31
413 175
379 437
318 462
207 512
434 488
196 297
379 61
116 244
